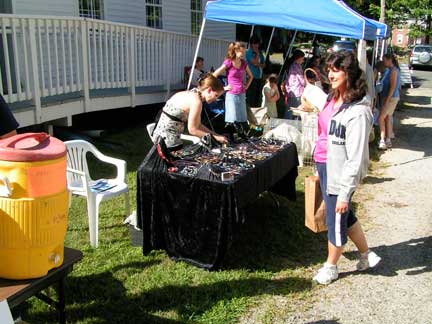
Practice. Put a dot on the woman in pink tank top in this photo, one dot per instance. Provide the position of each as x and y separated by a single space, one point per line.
235 67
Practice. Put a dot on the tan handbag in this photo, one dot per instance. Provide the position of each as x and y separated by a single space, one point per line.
313 98
315 215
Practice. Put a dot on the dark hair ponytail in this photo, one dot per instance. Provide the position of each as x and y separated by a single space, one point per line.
393 58
295 55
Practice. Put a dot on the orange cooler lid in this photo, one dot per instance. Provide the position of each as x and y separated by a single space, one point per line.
29 147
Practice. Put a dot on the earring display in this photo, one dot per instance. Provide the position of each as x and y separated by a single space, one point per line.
226 162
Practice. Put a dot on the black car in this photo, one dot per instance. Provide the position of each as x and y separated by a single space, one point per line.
343 45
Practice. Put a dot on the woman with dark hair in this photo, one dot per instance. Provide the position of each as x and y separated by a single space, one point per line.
342 158
184 108
390 98
294 83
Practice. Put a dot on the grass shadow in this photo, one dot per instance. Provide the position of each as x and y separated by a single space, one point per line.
275 237
102 298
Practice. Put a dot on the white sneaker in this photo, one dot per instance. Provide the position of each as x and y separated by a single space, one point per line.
382 145
369 260
326 274
388 143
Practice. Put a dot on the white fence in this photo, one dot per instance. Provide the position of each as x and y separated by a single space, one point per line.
49 56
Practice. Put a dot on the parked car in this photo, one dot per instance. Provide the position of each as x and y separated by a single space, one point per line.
421 55
343 45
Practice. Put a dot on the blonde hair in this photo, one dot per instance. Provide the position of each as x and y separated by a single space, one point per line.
208 80
233 48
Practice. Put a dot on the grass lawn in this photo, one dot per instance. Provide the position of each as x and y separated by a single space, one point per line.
115 283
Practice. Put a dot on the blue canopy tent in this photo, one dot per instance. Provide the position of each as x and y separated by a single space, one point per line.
382 33
327 17
382 29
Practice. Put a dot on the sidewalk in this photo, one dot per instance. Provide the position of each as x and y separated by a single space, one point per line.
397 202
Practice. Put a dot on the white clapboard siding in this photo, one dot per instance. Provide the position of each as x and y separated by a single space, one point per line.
46 7
176 14
127 11
53 56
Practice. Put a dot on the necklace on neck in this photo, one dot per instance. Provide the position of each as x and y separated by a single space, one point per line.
198 92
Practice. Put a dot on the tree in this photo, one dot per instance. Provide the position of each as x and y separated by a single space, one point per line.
398 13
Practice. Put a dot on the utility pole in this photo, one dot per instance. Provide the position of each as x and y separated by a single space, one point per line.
382 12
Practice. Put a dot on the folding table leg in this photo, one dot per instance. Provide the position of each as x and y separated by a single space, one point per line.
62 301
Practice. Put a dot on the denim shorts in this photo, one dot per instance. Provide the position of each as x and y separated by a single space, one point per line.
337 224
235 108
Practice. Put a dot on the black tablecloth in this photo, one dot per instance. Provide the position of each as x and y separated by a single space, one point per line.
195 219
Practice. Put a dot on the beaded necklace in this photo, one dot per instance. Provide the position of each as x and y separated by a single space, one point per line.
196 90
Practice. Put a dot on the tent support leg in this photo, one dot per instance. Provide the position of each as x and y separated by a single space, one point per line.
251 34
374 53
383 45
361 54
288 52
269 43
196 52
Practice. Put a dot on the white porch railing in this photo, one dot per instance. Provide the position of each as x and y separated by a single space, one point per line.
50 56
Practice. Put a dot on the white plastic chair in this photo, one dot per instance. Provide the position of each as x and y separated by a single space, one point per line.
189 138
80 182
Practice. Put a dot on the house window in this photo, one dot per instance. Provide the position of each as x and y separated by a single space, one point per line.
400 38
154 13
91 9
196 16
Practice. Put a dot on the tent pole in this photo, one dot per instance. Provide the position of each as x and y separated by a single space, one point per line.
376 43
373 54
382 48
361 54
251 33
269 43
288 51
196 53
306 62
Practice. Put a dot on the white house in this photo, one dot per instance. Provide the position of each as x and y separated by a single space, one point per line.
65 57
181 16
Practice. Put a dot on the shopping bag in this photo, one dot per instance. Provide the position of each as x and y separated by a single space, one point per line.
315 218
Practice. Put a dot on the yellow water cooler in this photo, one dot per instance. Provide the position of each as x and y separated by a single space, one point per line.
34 204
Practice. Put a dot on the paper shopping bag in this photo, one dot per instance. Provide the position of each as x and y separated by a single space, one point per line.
315 218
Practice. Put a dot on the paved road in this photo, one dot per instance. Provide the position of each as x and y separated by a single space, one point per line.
398 203
423 78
